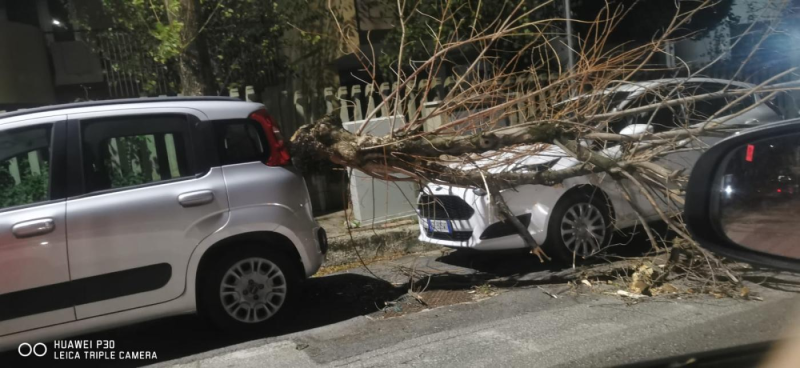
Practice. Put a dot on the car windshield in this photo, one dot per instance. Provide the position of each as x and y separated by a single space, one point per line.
459 183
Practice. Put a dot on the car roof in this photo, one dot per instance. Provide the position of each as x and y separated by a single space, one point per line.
637 86
213 107
666 81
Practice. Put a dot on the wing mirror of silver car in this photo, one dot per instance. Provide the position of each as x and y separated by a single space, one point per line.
743 197
480 192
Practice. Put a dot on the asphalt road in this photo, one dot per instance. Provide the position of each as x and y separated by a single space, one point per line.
522 326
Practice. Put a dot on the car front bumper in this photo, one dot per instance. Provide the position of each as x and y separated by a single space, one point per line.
484 229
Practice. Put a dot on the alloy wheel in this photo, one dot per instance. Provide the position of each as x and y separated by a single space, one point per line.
583 229
253 290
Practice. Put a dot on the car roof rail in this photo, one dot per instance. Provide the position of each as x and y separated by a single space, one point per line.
121 101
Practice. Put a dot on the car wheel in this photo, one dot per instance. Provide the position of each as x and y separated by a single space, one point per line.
579 227
248 289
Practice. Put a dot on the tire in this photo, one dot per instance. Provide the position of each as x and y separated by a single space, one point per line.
253 301
589 232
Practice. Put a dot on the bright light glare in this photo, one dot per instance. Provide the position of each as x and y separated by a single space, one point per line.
728 190
56 22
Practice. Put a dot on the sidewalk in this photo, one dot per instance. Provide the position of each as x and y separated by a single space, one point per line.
382 241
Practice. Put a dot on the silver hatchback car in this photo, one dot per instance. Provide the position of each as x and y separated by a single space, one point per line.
116 212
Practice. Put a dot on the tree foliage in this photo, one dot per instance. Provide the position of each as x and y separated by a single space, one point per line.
242 37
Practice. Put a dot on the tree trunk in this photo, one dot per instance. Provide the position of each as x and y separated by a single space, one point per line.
194 64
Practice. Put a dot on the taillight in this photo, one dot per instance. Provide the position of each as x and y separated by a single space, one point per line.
279 154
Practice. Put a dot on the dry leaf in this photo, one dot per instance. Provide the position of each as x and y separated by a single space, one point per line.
638 286
669 288
745 292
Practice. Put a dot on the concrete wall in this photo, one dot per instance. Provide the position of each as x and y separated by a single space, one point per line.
24 67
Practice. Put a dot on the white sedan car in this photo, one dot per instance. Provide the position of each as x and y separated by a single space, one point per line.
577 216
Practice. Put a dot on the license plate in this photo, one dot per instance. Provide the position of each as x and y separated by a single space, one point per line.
440 226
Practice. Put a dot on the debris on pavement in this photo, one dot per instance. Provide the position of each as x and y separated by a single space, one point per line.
642 279
554 296
406 303
630 295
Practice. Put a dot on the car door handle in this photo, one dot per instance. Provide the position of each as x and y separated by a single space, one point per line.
31 228
198 198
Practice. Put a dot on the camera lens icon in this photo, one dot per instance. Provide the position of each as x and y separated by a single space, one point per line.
39 349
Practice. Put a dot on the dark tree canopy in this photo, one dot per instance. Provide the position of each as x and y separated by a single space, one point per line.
644 20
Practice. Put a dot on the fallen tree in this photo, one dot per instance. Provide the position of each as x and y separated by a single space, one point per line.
573 110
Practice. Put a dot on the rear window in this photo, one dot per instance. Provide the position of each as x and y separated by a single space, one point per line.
240 141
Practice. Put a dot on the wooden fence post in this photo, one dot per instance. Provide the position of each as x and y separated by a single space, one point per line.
330 101
384 92
369 93
341 95
411 101
357 96
300 107
249 93
233 92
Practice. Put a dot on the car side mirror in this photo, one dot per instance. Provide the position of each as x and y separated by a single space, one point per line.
743 197
634 129
616 151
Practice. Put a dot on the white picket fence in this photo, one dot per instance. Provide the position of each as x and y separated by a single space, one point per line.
293 108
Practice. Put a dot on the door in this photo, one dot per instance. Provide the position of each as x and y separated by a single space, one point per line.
656 121
143 200
34 274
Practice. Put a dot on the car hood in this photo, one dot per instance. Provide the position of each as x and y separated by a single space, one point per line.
525 158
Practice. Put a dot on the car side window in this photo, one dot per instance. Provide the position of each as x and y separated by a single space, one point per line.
25 165
662 119
129 151
700 111
240 141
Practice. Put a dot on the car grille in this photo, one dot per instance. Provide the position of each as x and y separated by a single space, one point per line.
446 207
455 236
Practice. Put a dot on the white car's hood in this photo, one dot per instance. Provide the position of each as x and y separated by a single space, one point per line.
526 158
